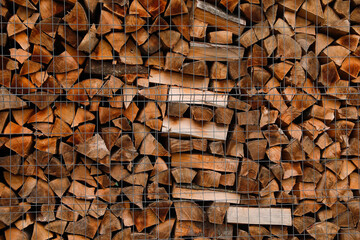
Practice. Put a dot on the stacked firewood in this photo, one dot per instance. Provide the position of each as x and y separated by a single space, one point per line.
181 119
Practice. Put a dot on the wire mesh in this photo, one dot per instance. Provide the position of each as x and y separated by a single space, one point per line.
179 119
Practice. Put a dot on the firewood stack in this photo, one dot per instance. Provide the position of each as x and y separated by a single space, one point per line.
180 119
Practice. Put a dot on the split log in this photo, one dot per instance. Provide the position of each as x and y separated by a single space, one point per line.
117 70
210 14
204 162
177 79
188 211
201 113
189 127
214 52
207 178
205 195
101 153
194 96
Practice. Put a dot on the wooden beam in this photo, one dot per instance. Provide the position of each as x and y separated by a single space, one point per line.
208 13
215 52
190 127
204 161
194 96
204 194
259 216
178 79
103 68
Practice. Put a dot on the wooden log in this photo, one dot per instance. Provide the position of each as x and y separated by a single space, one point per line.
189 127
145 218
221 37
207 178
88 225
188 211
269 216
214 52
216 148
169 38
183 175
212 15
150 146
198 68
177 79
138 9
201 113
204 162
133 23
286 53
108 21
94 148
174 61
200 97
177 109
77 18
257 149
218 71
324 230
198 29
92 67
205 194
158 25
217 211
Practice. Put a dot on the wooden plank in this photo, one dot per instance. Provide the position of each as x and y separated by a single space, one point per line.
259 216
204 161
194 96
203 194
178 79
215 52
190 127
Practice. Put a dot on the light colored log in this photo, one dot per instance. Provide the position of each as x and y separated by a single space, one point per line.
261 216
206 12
203 161
215 52
189 127
206 195
194 96
177 79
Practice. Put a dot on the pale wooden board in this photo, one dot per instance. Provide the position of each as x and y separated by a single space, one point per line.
194 96
203 161
214 52
188 127
178 79
206 195
262 216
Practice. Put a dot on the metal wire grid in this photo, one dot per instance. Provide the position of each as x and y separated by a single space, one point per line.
38 201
